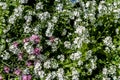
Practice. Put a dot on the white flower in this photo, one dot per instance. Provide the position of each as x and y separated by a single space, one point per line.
23 1
75 77
75 56
5 56
48 77
80 62
53 74
18 11
59 7
77 43
112 69
41 74
117 30
67 44
39 6
37 69
47 64
38 66
90 71
108 41
104 71
25 45
54 19
12 19
49 30
54 48
74 72
88 4
61 57
56 40
60 72
60 78
76 13
28 18
54 63
104 78
29 49
88 54
14 49
27 29
80 30
4 5
36 30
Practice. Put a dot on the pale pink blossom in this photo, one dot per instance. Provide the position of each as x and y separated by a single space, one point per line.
15 44
6 69
35 38
29 63
1 78
26 77
20 56
17 71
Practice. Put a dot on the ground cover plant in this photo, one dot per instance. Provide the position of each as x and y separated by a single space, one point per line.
59 40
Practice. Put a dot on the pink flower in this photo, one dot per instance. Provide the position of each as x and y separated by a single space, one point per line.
26 77
29 63
20 56
1 78
6 69
15 44
17 71
35 38
36 51
26 40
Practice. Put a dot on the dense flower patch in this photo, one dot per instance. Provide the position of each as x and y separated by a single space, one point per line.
59 40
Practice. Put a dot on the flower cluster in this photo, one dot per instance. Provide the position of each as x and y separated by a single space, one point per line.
59 40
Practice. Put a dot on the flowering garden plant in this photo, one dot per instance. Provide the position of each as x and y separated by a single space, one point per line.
59 40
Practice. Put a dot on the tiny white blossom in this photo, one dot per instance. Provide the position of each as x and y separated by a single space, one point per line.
75 77
23 1
39 6
75 56
28 18
54 64
12 19
4 5
108 41
59 7
80 30
104 71
48 77
80 62
60 72
5 56
29 49
53 74
27 29
47 64
74 72
54 19
67 44
41 74
54 48
61 57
